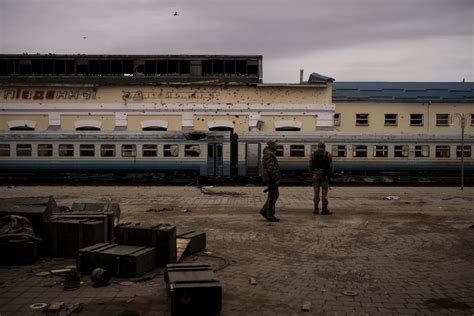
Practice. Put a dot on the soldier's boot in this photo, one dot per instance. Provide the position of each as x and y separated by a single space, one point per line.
273 219
326 211
316 211
263 212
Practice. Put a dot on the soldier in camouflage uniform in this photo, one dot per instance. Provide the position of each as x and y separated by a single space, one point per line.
320 166
271 175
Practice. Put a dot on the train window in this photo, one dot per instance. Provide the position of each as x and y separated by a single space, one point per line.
442 119
467 151
390 119
86 150
170 150
45 150
416 119
362 119
129 150
279 151
150 150
4 150
23 150
107 150
442 151
192 151
66 150
337 119
381 151
422 151
296 150
401 151
339 150
359 151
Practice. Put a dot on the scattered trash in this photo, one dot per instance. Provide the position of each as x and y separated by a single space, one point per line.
71 267
164 209
208 253
100 277
186 210
50 284
55 307
73 308
42 274
208 190
60 271
392 197
72 280
350 293
38 305
306 306
130 300
253 281
126 283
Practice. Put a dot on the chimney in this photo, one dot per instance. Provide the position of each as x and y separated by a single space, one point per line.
301 75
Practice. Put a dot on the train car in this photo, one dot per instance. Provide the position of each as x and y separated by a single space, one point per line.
198 154
360 152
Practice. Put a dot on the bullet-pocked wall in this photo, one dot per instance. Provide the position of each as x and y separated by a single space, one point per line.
18 122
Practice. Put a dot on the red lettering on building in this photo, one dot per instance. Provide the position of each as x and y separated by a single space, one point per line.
50 94
26 94
39 95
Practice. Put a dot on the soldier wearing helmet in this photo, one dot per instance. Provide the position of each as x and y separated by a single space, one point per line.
320 166
271 175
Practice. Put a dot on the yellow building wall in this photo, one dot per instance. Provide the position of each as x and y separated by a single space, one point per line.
42 121
308 122
377 111
67 121
241 122
134 121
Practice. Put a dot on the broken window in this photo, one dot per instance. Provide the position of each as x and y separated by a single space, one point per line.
4 150
129 150
362 119
87 128
416 119
184 66
229 66
442 151
154 128
94 67
279 151
288 129
390 119
25 67
442 119
107 150
218 66
381 151
359 151
150 150
59 67
66 150
104 67
337 119
162 67
467 151
23 150
45 150
422 151
127 67
252 67
4 68
22 128
170 150
401 151
173 67
116 67
37 66
339 151
241 67
192 150
296 150
86 150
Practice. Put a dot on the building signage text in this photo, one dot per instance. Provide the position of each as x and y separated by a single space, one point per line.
60 94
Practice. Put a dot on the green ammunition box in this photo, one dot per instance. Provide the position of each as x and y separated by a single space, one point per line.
197 240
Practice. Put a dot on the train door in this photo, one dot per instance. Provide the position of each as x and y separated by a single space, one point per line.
214 159
253 159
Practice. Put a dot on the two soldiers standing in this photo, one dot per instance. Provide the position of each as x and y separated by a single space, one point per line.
320 166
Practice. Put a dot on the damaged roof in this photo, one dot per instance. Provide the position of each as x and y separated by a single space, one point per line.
403 91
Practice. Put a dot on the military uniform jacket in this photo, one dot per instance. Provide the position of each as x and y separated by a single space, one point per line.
271 169
321 160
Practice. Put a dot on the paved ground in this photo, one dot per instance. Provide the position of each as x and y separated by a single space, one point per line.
412 256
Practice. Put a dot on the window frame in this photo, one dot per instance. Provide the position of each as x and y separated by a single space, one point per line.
49 150
148 150
5 148
337 119
27 147
419 151
386 123
188 148
360 149
67 150
404 150
280 151
128 150
358 118
86 148
413 119
299 150
377 150
336 151
440 121
168 148
467 153
111 148
440 149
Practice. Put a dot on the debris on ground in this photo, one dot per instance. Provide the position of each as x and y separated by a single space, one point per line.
208 190
163 209
60 271
392 197
126 283
38 305
73 308
186 210
54 307
253 281
100 277
306 306
148 276
350 293
42 274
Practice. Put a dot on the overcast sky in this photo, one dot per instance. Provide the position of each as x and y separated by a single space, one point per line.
349 40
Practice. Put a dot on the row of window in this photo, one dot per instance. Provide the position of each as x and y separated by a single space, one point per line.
381 151
105 150
391 119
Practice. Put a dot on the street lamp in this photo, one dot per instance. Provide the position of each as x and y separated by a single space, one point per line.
462 117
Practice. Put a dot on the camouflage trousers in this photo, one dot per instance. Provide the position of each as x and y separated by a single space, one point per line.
272 198
320 185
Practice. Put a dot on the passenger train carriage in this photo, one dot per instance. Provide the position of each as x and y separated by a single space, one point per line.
221 154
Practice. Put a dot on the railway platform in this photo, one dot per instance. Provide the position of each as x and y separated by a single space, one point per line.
385 250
